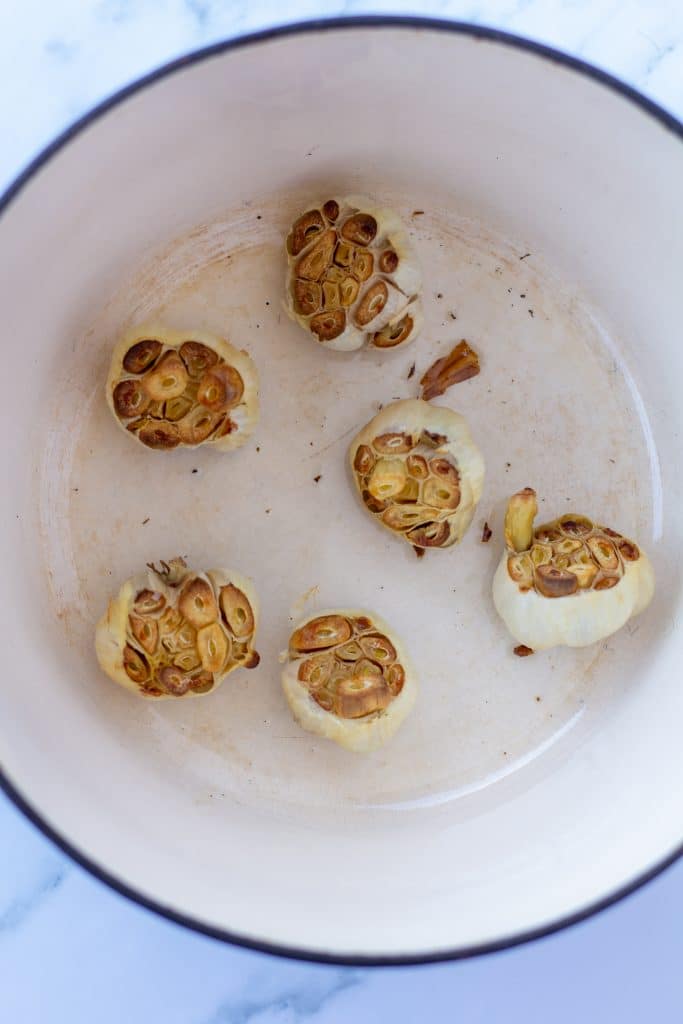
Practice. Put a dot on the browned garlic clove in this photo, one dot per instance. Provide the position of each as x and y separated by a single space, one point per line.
304 230
197 358
197 603
130 399
320 633
361 228
142 355
237 611
167 379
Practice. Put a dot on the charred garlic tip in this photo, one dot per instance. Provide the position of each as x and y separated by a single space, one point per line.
347 677
353 276
418 471
173 632
169 390
606 576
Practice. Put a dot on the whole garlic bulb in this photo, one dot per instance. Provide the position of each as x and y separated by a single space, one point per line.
418 472
353 276
171 389
568 582
348 678
172 632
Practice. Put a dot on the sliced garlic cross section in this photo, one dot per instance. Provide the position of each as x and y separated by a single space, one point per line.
418 472
174 389
353 276
568 582
348 678
172 632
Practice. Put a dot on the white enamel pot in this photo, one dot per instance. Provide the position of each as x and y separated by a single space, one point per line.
545 201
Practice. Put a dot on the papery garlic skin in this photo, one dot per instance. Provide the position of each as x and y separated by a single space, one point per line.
441 460
209 396
367 732
599 604
175 662
340 254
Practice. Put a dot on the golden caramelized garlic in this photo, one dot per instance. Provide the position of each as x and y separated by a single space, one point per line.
353 276
348 678
171 389
172 632
418 472
606 577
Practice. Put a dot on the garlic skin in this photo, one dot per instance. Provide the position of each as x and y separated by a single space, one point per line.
601 602
444 472
353 276
366 732
166 654
209 396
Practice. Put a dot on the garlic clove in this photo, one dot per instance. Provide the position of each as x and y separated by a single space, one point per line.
197 603
142 355
237 612
213 647
320 633
305 230
167 379
130 399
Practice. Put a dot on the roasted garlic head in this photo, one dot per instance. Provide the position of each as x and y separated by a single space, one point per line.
567 582
418 472
348 678
353 276
172 389
171 632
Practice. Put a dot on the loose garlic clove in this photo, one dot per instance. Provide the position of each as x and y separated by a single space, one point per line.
570 585
362 264
197 603
142 355
178 647
357 691
183 390
428 489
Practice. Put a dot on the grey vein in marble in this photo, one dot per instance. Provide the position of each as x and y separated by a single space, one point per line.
316 992
16 912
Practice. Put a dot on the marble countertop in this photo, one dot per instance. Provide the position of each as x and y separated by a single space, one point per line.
70 949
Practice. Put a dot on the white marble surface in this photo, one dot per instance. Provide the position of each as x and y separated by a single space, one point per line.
71 950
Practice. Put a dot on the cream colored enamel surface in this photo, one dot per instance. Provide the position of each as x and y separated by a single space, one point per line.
360 735
504 808
244 415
